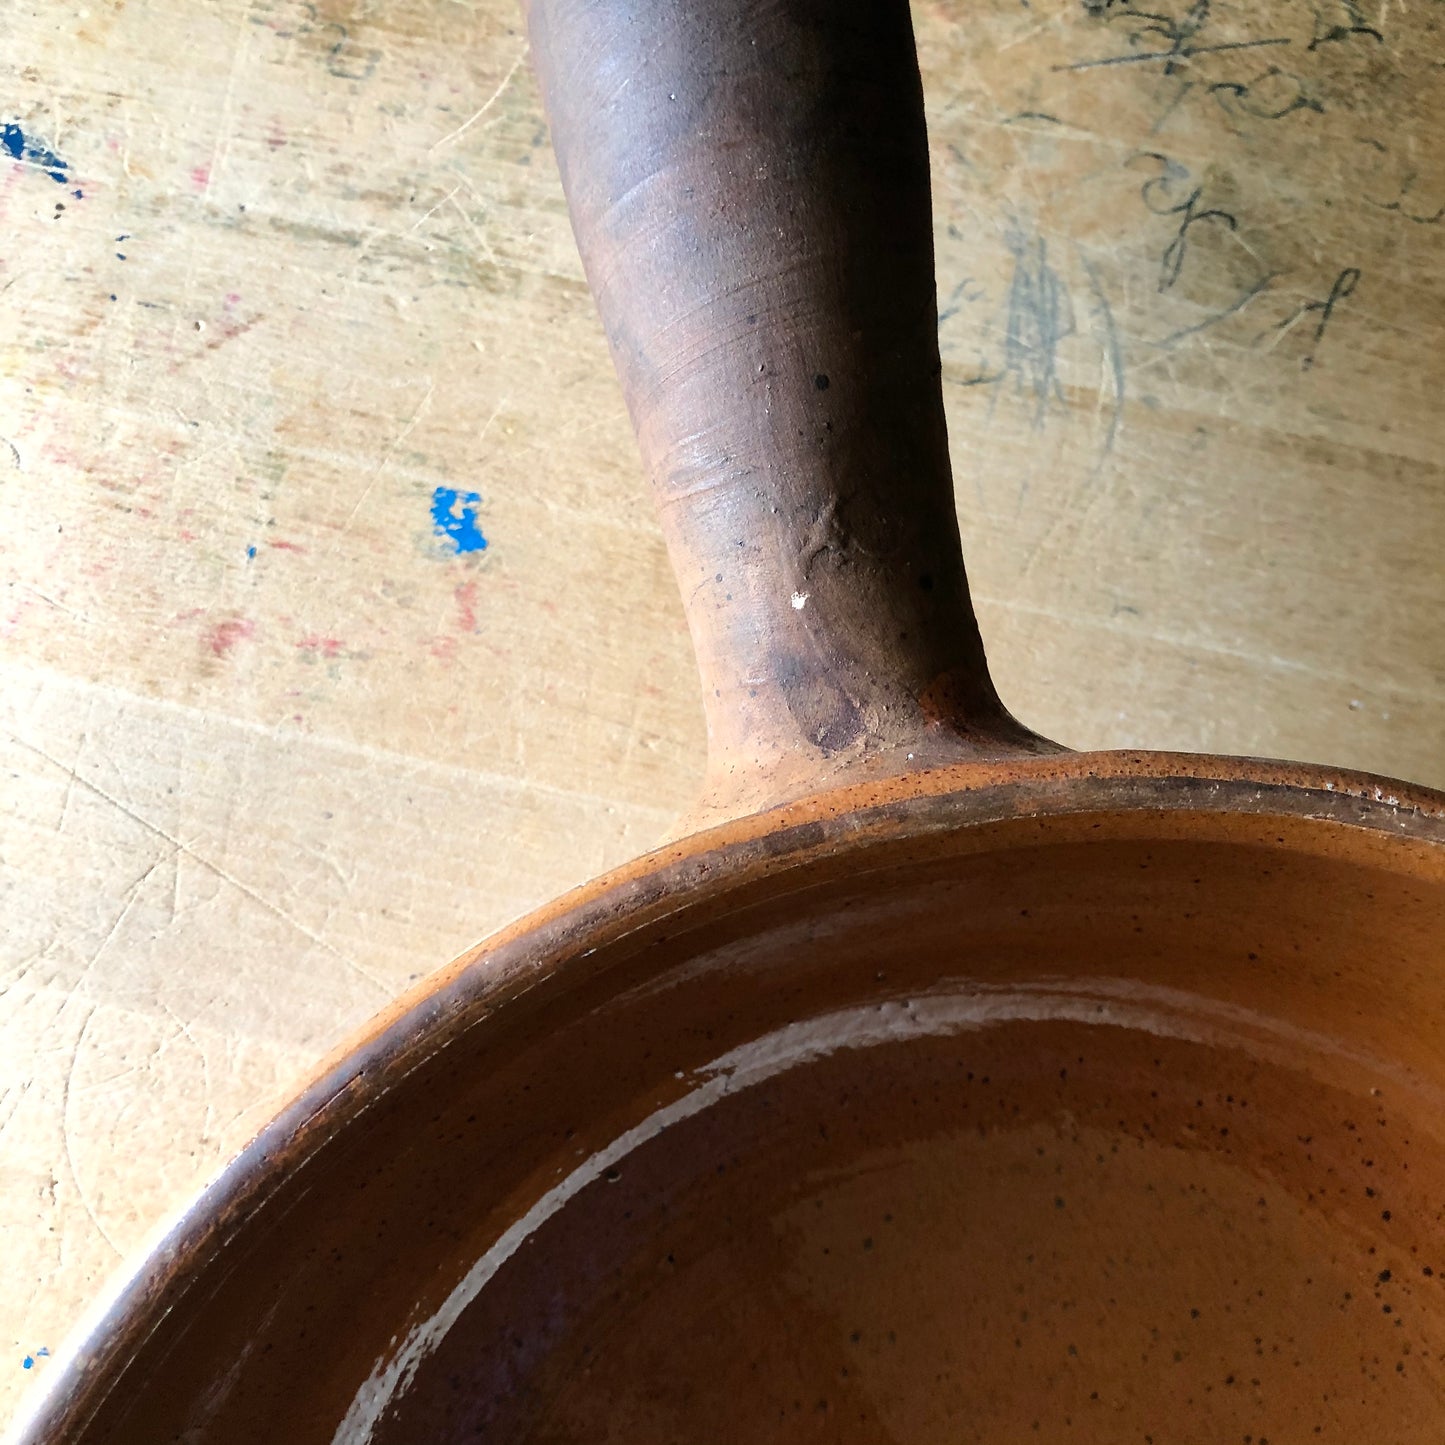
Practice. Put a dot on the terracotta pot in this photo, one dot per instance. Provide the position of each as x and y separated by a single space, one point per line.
957 1086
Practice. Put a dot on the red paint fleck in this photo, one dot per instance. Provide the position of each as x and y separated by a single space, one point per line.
225 635
466 595
444 649
201 177
231 298
324 646
12 623
187 535
287 546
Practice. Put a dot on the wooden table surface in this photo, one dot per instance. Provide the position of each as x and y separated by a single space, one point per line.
336 628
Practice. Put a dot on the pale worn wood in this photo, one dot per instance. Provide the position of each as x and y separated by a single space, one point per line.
248 798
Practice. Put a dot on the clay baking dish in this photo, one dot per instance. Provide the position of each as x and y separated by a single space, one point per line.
944 1085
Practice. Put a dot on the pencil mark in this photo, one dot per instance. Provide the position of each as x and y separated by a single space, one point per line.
982 377
1354 23
1170 57
956 151
347 60
1039 318
1398 205
1185 86
1033 115
1342 289
1233 309
1178 32
273 16
957 299
1159 195
1113 353
1420 215
1271 95
1178 35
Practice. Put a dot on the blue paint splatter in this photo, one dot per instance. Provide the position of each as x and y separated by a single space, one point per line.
250 553
22 147
27 1363
454 515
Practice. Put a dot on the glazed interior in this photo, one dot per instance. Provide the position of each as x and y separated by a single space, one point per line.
1116 1126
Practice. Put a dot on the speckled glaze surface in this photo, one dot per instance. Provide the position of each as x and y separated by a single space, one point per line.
954 1087
1099 1091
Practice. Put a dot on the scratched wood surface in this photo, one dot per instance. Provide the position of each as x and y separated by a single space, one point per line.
336 631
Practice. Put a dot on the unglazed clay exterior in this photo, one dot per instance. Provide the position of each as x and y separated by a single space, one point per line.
749 188
954 1088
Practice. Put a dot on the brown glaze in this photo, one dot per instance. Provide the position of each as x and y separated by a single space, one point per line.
1092 1097
1271 942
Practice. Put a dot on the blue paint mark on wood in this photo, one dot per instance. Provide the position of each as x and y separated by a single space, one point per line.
22 147
454 515
250 554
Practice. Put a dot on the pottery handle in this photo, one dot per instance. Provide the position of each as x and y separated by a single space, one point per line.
748 183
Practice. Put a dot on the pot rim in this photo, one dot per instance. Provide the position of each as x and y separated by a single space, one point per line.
672 879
